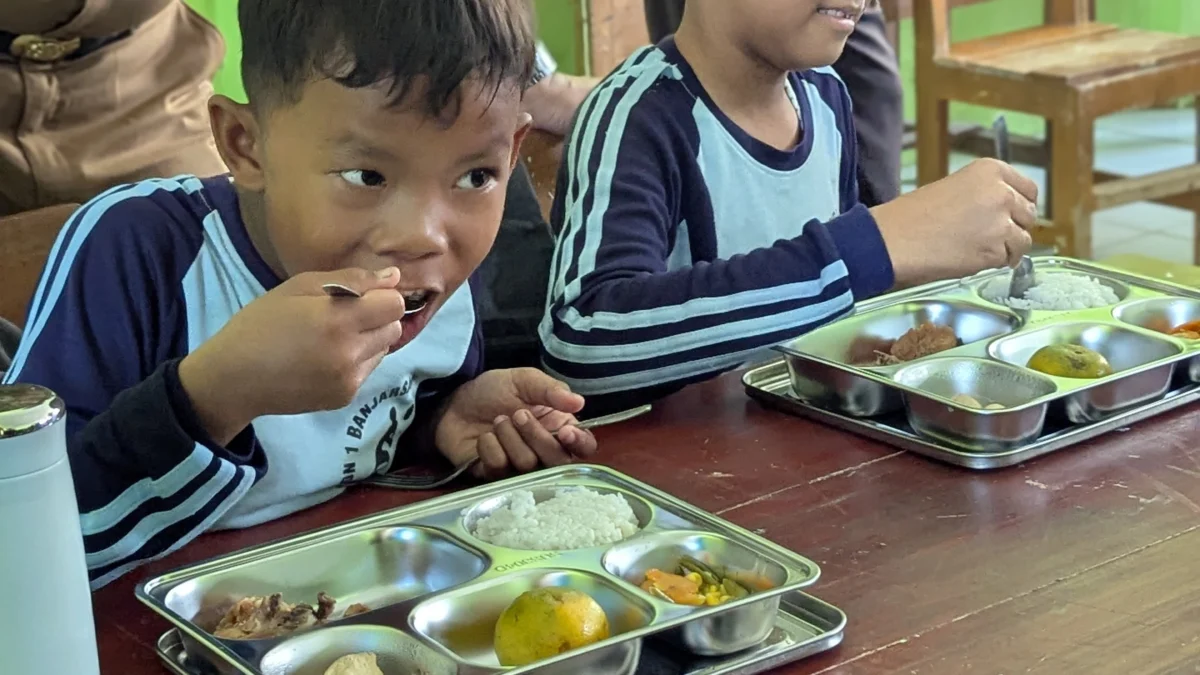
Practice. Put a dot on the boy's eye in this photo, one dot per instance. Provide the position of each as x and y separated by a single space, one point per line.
363 178
476 179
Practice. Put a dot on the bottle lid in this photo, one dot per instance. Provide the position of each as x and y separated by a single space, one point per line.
24 410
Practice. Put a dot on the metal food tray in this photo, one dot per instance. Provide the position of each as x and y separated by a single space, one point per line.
435 590
805 626
771 385
995 344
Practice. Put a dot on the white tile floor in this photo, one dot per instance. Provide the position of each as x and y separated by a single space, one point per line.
1133 143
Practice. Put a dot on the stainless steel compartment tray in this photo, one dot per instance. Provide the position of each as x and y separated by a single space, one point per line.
770 384
1128 333
398 585
805 626
982 323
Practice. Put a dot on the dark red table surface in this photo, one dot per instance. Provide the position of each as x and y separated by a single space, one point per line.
1087 561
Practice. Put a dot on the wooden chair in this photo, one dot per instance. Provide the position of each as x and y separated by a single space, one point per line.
28 238
895 11
1070 70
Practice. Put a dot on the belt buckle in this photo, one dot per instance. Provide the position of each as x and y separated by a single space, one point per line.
42 49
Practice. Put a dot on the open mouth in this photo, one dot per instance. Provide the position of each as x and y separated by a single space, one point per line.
415 301
416 316
844 14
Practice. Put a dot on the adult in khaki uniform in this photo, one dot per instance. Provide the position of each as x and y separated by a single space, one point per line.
94 93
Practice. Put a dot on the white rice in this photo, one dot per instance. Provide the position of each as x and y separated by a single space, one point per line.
573 518
1054 292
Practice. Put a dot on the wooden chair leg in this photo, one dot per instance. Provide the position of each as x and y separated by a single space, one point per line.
1070 182
933 138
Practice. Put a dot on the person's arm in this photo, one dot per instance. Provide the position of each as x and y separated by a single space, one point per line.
105 332
554 97
619 320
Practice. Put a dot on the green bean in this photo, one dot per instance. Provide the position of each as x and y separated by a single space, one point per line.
734 589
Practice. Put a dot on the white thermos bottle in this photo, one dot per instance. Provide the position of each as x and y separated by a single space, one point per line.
46 623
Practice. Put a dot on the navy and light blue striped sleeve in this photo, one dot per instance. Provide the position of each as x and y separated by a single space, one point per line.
620 320
105 331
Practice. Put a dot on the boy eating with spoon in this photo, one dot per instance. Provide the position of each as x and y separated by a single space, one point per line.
210 379
708 208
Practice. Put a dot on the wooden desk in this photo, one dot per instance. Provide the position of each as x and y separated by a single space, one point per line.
1084 562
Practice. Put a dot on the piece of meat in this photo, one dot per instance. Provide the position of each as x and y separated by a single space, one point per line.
297 619
356 609
864 350
324 606
885 359
924 340
258 618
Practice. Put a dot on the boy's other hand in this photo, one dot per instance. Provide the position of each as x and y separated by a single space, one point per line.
507 419
975 219
294 350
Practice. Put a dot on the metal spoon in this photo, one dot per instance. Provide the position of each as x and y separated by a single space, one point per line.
339 291
1022 276
609 419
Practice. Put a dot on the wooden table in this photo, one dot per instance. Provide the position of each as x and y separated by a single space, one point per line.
1084 562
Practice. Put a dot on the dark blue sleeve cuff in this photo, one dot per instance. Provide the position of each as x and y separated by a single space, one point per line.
858 240
243 449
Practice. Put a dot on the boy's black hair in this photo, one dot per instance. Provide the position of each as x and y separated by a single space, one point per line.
359 43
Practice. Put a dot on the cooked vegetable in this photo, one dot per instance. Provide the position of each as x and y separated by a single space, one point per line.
694 583
1187 331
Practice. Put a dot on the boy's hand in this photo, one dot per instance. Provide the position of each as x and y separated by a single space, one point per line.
294 350
505 417
975 219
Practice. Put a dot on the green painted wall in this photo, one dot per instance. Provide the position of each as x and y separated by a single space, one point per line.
223 13
1177 16
558 28
556 25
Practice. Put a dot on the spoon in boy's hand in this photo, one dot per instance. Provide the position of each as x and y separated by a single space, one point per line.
606 419
335 290
1022 275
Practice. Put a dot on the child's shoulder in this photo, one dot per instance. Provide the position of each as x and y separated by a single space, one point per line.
825 80
160 219
649 82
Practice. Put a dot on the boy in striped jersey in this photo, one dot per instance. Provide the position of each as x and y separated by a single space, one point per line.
708 209
210 381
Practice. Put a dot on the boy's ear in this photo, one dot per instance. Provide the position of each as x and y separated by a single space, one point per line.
525 124
239 140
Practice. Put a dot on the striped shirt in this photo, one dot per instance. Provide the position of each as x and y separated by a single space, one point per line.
685 245
139 278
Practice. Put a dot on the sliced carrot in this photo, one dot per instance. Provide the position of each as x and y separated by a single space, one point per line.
679 589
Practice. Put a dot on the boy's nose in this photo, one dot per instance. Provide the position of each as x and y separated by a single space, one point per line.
414 238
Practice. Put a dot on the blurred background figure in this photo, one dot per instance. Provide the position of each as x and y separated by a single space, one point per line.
95 93
512 292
